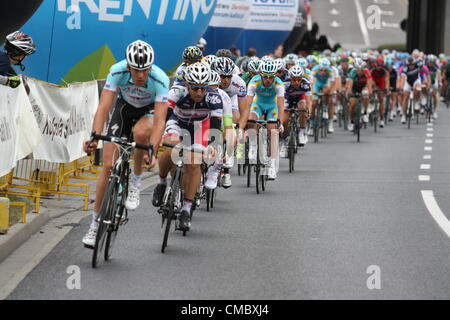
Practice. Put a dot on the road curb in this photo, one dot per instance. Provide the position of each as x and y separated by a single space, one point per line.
19 233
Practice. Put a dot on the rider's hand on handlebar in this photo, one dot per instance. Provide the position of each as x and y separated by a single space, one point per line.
89 146
281 128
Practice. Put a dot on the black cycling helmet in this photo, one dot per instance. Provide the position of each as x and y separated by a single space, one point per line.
192 54
223 53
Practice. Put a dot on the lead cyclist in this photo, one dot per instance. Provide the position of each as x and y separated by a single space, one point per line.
141 89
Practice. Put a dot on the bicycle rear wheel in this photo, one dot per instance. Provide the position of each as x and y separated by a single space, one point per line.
409 114
291 152
257 175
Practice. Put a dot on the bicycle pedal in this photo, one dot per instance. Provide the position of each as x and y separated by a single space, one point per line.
88 247
124 221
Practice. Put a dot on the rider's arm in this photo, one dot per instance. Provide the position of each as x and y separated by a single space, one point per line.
106 101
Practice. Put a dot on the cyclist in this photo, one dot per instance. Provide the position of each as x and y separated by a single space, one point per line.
381 79
307 72
296 93
323 82
227 126
17 47
282 72
290 60
436 80
236 89
445 77
141 89
410 80
226 53
393 85
359 81
191 55
265 96
253 69
426 83
196 108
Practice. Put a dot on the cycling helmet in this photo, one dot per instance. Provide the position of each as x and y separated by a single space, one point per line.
365 56
419 62
296 72
210 59
327 52
18 43
224 66
197 73
253 66
214 80
192 53
201 43
291 58
269 67
431 58
389 62
311 59
280 64
223 53
302 62
359 64
266 58
410 60
140 55
385 52
324 63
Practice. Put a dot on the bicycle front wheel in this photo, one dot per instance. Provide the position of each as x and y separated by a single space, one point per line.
173 198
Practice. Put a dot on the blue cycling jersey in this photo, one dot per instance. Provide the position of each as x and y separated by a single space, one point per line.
155 90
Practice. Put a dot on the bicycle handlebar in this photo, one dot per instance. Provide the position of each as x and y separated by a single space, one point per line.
120 141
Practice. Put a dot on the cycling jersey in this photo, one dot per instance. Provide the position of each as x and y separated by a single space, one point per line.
5 65
344 73
190 116
227 109
412 74
294 95
434 69
247 77
379 76
424 73
446 71
179 73
265 100
236 90
323 78
155 90
359 81
393 75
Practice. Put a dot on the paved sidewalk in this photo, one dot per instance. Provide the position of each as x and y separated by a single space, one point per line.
51 208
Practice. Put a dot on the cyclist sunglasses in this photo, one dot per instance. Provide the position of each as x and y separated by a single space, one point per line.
268 76
198 87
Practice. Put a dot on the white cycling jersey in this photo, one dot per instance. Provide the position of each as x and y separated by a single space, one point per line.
236 90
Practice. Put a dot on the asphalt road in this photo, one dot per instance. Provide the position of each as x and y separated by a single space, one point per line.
350 23
313 234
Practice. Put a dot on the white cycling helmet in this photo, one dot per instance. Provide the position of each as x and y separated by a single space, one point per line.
359 63
18 43
224 66
324 63
198 73
269 67
140 55
201 43
210 59
214 79
253 66
281 65
291 58
296 72
302 62
266 58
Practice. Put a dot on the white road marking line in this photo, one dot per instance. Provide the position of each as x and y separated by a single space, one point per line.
333 1
424 178
335 24
334 12
435 211
428 141
381 1
427 157
429 135
425 166
362 23
430 129
430 124
428 148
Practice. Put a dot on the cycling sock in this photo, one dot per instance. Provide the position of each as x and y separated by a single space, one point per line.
162 180
136 180
187 204
94 223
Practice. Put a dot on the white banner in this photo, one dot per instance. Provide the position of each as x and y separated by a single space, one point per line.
64 116
9 117
273 15
231 13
